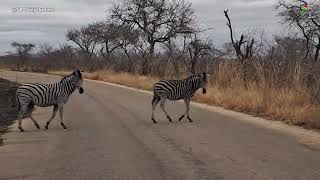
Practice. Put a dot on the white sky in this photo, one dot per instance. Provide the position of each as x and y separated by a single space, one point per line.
52 26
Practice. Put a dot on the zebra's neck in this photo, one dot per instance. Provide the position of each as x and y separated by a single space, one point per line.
193 83
68 86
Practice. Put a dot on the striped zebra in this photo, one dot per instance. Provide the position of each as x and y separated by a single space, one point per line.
45 95
176 90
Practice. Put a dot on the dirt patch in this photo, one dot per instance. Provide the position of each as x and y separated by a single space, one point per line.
8 111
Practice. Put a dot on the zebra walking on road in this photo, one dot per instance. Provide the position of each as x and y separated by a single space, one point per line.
45 95
176 90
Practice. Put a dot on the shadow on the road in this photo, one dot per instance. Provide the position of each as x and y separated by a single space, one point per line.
8 113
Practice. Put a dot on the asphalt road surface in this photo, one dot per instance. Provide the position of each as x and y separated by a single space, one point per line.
111 137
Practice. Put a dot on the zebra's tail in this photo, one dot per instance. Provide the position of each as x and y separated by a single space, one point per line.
17 102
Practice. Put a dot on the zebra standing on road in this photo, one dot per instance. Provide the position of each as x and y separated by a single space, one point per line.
45 95
176 90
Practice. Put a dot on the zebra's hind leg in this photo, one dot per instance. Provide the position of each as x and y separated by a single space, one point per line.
188 114
30 109
54 112
155 101
22 111
35 122
162 105
61 116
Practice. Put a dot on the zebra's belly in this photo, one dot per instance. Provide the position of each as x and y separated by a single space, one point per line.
43 102
43 105
176 98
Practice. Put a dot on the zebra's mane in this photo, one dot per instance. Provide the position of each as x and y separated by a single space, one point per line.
194 76
66 78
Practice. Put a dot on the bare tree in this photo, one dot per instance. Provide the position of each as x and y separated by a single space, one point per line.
85 38
106 34
288 48
68 54
176 53
198 48
45 49
308 21
114 37
244 46
159 20
23 50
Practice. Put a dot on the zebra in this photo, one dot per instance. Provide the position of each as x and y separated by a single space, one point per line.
45 95
176 90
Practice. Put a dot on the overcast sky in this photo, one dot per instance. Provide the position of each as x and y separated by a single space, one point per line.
51 26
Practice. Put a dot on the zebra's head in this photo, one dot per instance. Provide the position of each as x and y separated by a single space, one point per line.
203 82
78 80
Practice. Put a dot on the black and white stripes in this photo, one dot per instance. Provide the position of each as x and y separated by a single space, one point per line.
44 95
176 90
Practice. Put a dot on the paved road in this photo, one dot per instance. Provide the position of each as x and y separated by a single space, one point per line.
111 137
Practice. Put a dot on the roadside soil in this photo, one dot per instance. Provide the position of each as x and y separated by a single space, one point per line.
8 111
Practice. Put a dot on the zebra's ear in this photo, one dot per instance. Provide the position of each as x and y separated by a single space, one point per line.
205 76
79 73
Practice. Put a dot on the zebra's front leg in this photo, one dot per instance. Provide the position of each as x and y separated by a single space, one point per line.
162 105
188 108
54 112
187 102
155 101
61 116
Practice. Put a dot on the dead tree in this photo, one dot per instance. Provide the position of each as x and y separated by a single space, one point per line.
46 49
159 20
307 21
243 47
86 40
176 53
198 48
23 50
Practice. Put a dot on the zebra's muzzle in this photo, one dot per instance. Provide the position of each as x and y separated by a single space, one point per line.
81 90
204 91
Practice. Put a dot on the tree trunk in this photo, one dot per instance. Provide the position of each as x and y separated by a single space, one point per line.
316 56
193 65
151 50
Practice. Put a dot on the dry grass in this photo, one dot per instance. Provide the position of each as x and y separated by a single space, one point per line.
227 89
283 105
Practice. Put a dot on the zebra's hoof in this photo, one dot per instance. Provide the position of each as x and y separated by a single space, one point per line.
181 118
21 130
169 119
38 127
47 126
64 126
190 120
154 121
